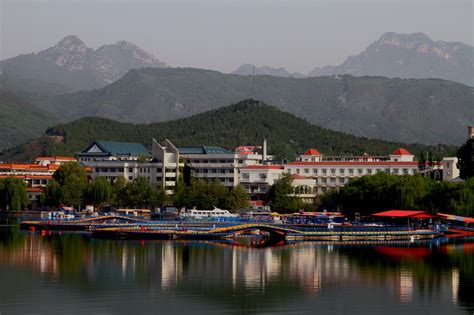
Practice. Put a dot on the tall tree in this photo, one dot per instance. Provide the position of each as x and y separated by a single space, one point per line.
98 192
13 194
52 194
72 178
466 159
281 196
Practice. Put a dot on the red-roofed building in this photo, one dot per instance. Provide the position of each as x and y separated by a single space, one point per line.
401 155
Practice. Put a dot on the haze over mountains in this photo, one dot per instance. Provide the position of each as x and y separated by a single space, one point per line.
131 85
72 64
409 56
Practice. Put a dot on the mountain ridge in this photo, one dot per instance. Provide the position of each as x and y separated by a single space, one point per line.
407 110
286 134
413 55
70 62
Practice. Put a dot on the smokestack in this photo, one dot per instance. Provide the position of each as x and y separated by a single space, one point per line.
264 154
470 132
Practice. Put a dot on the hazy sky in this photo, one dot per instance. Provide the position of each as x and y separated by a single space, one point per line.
221 35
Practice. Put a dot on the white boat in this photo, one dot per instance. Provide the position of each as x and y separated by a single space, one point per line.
208 214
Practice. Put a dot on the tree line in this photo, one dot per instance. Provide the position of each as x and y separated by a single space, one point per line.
370 194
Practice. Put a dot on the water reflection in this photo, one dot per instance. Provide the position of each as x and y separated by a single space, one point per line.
76 273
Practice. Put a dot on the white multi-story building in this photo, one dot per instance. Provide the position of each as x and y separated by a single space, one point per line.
215 163
131 160
336 171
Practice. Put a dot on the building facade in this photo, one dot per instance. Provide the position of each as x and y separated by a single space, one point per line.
132 160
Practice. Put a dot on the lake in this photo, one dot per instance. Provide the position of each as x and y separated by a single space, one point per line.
72 273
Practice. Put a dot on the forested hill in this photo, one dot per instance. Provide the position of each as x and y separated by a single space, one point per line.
21 121
409 110
245 123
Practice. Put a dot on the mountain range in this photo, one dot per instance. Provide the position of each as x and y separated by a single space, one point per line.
409 56
44 86
245 123
408 110
72 64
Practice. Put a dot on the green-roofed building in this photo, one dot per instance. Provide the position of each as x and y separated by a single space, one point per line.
112 159
114 148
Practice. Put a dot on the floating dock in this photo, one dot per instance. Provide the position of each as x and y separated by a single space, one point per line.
275 231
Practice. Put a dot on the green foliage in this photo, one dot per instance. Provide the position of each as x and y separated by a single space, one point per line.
73 181
380 192
281 196
466 159
98 192
206 195
51 196
20 121
139 193
395 109
13 194
286 134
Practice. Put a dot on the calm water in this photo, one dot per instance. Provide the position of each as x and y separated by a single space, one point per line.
73 273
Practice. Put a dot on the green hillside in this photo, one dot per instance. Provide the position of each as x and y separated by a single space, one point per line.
408 110
245 123
20 121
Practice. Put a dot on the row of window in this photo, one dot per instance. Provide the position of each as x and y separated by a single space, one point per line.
131 170
213 171
221 161
351 171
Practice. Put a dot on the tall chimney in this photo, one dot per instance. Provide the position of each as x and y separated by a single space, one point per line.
264 154
470 132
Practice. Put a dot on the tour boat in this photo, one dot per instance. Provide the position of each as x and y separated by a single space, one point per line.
216 213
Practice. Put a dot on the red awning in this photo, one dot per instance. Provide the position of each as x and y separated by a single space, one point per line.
399 213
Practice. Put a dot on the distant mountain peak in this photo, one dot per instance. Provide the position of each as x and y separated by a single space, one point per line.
71 41
71 63
413 55
69 53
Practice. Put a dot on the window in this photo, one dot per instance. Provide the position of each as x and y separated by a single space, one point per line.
222 161
263 176
332 180
315 171
306 170
214 171
369 171
130 177
405 171
359 171
130 169
351 171
395 171
324 171
333 171
341 171
222 171
245 175
297 171
387 170
341 180
324 180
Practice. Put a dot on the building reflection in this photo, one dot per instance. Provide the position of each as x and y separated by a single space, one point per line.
203 267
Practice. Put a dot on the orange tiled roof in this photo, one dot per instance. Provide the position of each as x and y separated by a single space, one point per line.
312 152
401 151
56 158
